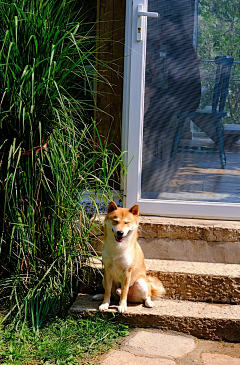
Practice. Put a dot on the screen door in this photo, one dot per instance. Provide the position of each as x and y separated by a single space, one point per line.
184 160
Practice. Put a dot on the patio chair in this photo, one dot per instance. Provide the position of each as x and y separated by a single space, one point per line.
209 119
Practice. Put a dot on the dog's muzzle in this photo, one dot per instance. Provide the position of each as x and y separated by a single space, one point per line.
119 237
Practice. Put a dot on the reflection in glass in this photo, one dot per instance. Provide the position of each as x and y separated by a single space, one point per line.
177 84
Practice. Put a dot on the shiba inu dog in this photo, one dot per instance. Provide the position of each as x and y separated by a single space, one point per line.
123 259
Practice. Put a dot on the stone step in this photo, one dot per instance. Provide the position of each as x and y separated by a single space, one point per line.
190 250
198 281
203 320
183 239
195 281
182 228
190 239
192 229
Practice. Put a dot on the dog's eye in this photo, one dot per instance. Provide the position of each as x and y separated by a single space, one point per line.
127 222
116 222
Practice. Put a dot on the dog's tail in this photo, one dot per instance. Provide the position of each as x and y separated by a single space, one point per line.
157 289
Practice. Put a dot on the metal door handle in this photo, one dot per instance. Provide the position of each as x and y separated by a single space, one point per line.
141 13
146 13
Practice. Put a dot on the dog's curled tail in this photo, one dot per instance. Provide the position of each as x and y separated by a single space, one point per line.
157 289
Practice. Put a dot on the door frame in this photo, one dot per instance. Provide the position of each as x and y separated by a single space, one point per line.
132 133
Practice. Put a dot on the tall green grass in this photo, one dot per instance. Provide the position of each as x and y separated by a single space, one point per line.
49 159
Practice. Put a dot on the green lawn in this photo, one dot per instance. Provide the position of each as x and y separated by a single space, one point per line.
66 341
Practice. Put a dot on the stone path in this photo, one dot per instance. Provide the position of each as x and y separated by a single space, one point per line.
155 347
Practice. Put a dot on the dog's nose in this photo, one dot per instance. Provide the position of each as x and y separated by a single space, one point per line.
120 233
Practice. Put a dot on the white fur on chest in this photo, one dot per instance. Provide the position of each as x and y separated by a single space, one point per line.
117 258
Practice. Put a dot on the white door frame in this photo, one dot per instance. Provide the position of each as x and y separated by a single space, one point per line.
132 134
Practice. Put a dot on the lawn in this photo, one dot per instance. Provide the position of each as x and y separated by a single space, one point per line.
64 341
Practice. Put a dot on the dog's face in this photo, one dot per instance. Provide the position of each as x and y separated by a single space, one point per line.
121 221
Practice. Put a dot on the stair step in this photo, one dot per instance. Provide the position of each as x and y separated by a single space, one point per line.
182 228
190 250
198 281
195 281
183 239
203 320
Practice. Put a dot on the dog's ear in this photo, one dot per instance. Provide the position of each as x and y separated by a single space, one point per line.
135 209
111 207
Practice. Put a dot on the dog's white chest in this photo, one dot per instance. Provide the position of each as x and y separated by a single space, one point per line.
117 265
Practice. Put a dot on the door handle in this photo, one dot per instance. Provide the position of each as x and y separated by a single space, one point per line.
140 14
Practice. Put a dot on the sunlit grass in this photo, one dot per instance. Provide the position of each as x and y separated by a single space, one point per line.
61 342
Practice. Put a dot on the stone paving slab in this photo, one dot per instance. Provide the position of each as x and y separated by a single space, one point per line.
127 358
216 359
152 346
160 344
203 320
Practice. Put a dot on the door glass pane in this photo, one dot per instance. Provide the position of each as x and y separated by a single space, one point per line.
191 151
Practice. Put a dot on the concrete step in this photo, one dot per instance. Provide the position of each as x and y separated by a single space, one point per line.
203 320
198 281
189 229
195 281
183 239
190 250
182 228
190 240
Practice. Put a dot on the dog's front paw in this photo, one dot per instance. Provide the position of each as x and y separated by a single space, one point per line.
149 303
103 307
122 308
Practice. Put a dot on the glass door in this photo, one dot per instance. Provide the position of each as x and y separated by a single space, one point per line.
184 160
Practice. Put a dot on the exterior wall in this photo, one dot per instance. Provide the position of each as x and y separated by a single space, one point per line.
111 33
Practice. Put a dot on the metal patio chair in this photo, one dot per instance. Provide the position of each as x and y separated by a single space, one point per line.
210 121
